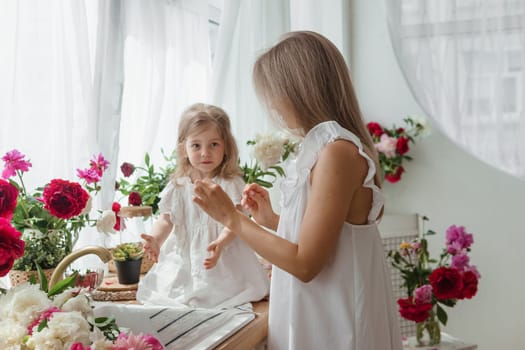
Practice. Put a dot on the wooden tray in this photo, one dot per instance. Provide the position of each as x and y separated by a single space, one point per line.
110 284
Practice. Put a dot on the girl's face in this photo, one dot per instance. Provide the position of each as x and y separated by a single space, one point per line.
205 151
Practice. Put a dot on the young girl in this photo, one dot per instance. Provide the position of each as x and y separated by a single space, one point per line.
185 241
330 284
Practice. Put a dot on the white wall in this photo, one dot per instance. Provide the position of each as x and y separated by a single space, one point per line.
450 187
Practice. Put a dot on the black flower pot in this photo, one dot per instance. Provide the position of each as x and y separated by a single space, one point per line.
128 271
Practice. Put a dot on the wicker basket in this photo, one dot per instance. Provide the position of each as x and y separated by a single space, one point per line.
19 276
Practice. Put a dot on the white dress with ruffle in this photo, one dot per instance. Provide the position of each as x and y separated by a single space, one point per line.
349 304
180 279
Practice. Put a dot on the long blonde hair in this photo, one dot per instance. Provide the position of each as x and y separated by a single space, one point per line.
197 117
307 73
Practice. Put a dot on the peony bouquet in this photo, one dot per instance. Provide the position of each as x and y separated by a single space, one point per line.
268 151
49 218
434 284
393 145
32 317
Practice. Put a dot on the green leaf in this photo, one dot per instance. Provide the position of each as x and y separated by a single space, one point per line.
42 277
442 315
42 325
61 286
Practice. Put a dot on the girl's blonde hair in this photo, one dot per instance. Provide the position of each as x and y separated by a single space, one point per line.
306 73
196 118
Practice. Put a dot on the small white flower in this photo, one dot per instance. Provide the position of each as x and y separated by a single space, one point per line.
32 234
387 145
422 124
106 222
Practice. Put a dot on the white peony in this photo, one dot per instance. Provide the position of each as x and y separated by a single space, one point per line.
11 334
80 303
23 303
63 329
106 222
268 149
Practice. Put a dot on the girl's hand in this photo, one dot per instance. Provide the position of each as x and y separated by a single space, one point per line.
256 200
214 201
215 249
151 246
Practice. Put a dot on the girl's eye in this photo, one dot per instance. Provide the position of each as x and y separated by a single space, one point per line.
215 144
195 145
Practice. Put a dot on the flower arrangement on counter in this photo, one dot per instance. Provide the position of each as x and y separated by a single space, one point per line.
33 317
144 188
268 152
49 218
393 144
432 284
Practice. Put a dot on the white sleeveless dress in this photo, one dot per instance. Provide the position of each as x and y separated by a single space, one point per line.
180 279
349 304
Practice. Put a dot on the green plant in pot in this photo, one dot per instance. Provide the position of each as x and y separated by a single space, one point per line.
128 258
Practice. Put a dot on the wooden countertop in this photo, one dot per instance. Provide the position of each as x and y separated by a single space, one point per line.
251 334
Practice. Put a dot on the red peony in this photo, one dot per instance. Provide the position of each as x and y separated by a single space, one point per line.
414 312
11 246
127 169
375 129
393 178
402 145
8 196
470 285
115 207
446 283
64 199
134 198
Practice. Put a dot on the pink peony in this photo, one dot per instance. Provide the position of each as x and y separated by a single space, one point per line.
460 261
458 239
387 145
137 342
14 160
423 294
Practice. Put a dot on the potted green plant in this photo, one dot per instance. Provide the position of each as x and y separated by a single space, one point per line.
128 258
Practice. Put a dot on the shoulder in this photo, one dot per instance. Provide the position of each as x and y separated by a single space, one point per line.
343 154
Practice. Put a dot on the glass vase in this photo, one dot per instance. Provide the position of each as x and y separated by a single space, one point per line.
428 332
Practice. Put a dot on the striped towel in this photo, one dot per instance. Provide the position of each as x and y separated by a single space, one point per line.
179 328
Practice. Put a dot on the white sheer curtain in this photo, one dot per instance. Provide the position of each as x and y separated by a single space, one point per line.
166 68
46 95
246 28
464 62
